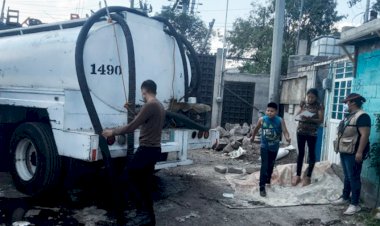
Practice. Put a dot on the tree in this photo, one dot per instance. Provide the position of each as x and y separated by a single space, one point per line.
376 6
252 37
190 26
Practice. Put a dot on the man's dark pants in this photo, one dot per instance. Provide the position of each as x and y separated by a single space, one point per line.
138 178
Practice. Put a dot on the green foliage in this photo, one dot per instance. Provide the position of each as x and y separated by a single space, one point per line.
252 37
190 26
367 219
375 150
376 6
375 158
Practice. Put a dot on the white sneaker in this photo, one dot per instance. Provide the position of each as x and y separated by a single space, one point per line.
352 209
340 201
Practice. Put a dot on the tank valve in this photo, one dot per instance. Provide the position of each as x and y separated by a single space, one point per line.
121 139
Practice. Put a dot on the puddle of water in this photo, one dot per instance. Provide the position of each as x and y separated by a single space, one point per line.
85 204
35 212
73 207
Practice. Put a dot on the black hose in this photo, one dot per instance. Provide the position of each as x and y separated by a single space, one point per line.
181 50
190 124
132 78
194 83
83 82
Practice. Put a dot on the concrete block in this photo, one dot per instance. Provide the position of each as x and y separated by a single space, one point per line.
235 170
229 126
221 144
228 148
237 138
236 130
246 144
252 169
235 144
220 169
222 132
245 128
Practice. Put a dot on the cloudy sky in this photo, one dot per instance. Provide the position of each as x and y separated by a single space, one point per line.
59 10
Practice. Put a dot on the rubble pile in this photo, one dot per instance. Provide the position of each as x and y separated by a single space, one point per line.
235 140
235 143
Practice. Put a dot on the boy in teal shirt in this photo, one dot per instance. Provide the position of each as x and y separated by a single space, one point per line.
272 126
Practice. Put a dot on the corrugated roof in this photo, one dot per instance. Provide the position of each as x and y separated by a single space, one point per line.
369 30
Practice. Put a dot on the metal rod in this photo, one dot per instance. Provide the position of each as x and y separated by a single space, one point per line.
2 12
299 27
223 50
366 14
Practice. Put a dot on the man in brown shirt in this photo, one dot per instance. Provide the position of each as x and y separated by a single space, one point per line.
139 170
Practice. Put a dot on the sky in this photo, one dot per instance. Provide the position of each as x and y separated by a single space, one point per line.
59 10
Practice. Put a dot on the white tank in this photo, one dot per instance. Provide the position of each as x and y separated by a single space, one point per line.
46 61
327 46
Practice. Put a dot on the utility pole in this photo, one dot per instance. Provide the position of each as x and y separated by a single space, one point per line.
275 67
192 7
185 6
216 115
210 26
2 12
299 26
132 4
366 14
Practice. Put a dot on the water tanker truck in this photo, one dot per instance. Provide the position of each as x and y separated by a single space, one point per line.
61 84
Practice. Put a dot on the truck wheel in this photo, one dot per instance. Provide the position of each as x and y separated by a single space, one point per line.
36 165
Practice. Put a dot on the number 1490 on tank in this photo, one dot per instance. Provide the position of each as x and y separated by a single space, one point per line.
105 69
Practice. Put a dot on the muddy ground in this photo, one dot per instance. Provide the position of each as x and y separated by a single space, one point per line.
186 195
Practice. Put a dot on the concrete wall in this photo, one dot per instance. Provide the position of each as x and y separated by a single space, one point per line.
367 83
217 105
261 89
297 62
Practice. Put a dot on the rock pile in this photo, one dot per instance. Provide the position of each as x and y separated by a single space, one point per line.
234 136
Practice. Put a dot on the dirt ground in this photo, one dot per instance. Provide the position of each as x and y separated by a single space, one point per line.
186 195
200 200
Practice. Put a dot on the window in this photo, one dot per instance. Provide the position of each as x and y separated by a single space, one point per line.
343 75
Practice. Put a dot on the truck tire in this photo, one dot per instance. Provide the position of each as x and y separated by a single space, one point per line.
35 163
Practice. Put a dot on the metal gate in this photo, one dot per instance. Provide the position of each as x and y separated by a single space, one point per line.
206 84
237 102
